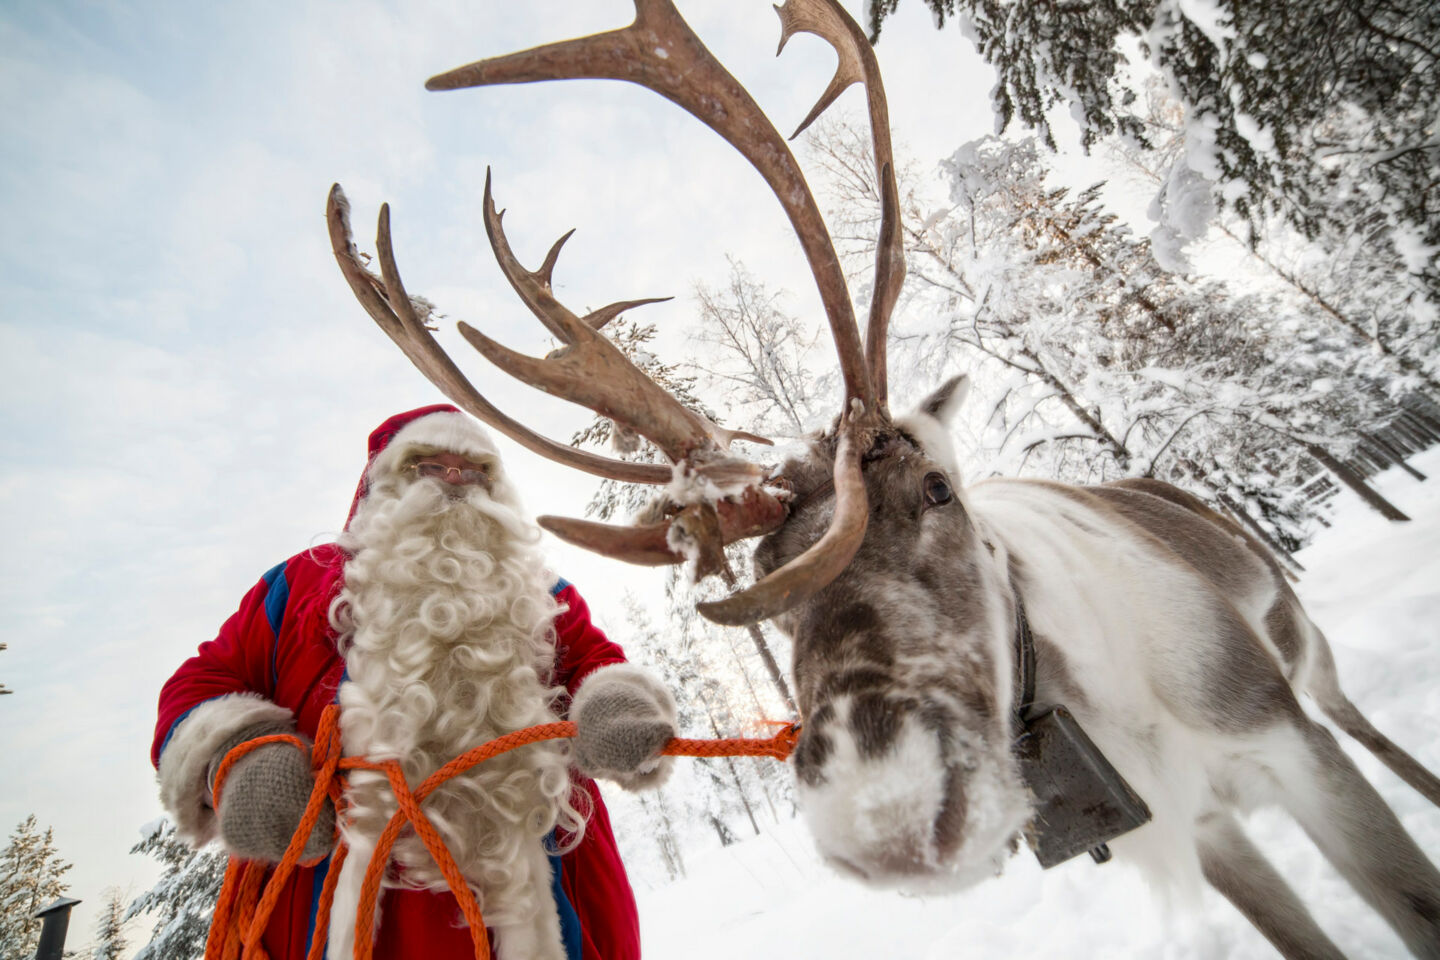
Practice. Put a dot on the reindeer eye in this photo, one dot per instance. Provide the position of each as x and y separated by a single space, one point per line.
937 490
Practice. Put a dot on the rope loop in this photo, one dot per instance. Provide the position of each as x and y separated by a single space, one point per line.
247 898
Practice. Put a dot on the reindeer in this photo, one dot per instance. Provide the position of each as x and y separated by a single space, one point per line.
929 621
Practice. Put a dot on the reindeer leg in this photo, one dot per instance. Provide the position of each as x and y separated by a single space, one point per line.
1324 685
1360 835
1241 873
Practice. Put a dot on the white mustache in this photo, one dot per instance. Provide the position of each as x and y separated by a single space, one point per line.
407 504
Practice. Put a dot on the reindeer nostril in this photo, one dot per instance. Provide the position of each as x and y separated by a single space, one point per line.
950 824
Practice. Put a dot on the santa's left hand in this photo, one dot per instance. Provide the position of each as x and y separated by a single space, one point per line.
623 717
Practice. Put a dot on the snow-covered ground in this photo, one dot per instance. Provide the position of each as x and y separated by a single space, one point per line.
1373 586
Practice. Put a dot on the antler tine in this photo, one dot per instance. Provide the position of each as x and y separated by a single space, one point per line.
807 574
659 51
536 290
829 20
596 319
534 287
589 369
390 307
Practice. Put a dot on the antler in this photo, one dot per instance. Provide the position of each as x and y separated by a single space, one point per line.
385 299
590 370
857 64
660 52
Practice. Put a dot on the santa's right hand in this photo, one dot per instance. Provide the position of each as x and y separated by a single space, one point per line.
262 801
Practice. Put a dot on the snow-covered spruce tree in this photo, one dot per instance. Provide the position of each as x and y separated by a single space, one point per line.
741 792
955 254
183 899
1100 363
658 823
659 831
1190 370
738 701
110 941
723 796
1315 111
706 800
1354 323
31 873
1344 278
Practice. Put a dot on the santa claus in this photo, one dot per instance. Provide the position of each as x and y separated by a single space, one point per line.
436 626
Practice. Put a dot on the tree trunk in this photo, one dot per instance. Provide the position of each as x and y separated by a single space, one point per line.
763 648
776 677
1424 413
670 853
722 831
1072 403
730 765
1396 454
1352 480
1404 430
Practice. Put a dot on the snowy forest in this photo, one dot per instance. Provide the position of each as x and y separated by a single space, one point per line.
1266 335
1271 341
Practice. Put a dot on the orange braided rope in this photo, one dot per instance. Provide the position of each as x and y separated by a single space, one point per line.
243 911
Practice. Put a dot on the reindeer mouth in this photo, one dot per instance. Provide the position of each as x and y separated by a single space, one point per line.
911 817
912 853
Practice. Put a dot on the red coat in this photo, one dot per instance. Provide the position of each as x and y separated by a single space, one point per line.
279 645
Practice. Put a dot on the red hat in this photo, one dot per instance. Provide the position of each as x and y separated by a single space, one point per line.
439 426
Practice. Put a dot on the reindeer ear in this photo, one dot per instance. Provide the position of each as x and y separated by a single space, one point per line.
929 423
942 404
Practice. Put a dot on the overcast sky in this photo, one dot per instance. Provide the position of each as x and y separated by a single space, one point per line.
187 382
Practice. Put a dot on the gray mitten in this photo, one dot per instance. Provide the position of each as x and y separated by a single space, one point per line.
264 797
623 717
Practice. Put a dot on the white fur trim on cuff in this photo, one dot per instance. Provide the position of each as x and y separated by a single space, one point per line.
185 764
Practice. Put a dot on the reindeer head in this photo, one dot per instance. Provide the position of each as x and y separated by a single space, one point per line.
870 560
902 668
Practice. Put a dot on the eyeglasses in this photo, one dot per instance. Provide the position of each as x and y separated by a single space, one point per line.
439 471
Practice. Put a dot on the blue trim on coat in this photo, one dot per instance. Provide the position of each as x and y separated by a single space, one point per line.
277 598
178 720
569 919
560 584
321 870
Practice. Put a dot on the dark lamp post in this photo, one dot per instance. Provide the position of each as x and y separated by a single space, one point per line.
52 934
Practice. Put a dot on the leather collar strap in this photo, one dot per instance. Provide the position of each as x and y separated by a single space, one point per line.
1024 664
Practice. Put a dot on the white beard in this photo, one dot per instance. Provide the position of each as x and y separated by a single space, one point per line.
445 622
